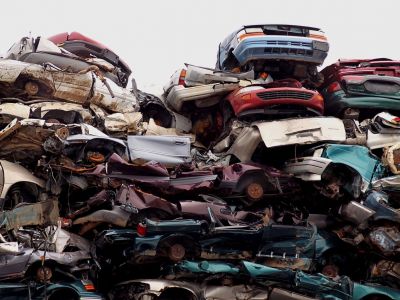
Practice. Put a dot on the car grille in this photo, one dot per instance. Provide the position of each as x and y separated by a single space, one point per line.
284 95
288 43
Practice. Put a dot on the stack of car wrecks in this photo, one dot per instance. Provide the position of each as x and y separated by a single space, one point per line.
261 178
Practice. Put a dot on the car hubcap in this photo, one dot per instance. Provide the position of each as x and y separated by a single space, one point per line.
255 191
177 252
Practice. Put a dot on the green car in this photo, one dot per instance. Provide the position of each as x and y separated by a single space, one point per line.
363 96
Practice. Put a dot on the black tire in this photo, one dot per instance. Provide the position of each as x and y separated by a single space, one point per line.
64 294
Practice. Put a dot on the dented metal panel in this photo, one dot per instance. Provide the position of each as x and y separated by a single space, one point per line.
40 214
301 131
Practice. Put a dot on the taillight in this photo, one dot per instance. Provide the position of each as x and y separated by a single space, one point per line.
353 79
182 77
89 286
141 229
334 87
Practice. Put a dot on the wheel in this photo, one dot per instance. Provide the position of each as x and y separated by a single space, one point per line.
254 191
176 252
64 294
253 187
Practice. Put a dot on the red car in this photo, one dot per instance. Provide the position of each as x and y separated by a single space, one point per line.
282 97
86 47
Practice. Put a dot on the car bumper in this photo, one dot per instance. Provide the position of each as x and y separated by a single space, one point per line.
257 105
273 47
335 105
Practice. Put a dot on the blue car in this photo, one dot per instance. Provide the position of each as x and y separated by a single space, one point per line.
272 42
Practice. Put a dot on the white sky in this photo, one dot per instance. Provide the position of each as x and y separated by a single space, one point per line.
156 37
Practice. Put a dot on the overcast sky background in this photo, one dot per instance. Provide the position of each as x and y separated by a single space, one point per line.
157 37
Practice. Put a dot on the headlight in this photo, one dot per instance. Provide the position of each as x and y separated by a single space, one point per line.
321 46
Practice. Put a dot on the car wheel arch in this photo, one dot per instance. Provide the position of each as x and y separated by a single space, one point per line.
181 293
248 177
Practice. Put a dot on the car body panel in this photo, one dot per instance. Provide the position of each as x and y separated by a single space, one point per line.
13 173
308 168
168 150
357 157
40 214
200 96
391 183
301 131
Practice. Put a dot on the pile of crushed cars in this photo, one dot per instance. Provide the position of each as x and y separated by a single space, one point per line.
261 178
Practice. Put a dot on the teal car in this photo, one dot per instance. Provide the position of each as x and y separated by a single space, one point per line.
362 96
316 286
68 290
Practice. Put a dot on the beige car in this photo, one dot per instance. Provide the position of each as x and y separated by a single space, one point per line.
17 185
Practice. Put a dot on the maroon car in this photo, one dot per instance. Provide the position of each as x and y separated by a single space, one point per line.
254 181
86 47
345 67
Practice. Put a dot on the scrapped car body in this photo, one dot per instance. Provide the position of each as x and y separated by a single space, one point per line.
33 81
284 194
13 174
168 289
254 181
279 133
28 258
355 91
88 48
359 67
356 158
272 42
194 76
197 87
279 98
282 284
297 247
201 96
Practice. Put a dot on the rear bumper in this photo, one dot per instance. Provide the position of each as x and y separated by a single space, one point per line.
336 105
276 47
